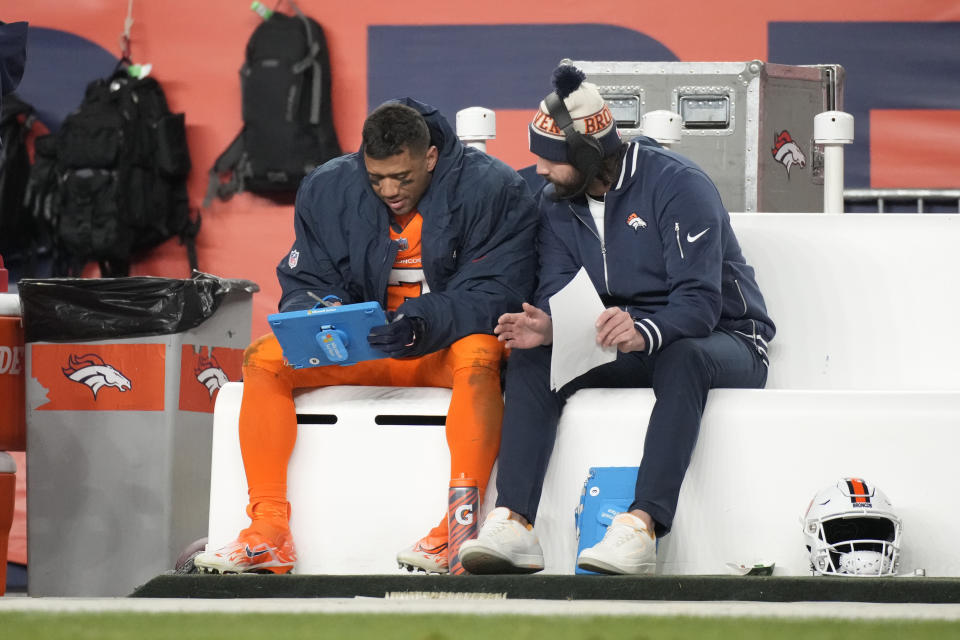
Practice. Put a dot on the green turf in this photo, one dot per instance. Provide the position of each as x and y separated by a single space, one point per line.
187 626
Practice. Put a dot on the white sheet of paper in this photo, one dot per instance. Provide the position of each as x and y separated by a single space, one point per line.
575 310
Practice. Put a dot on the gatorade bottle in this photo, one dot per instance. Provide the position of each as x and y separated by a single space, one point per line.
461 518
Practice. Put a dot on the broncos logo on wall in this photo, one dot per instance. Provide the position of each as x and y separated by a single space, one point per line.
91 370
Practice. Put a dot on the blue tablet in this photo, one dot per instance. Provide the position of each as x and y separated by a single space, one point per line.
328 335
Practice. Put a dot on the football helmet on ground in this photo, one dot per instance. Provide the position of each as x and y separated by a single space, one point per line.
851 529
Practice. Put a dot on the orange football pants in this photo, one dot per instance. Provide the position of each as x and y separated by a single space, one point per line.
268 420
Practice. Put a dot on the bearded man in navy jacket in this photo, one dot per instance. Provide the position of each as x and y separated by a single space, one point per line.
682 308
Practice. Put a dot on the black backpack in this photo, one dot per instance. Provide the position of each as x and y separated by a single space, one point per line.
17 229
121 168
287 117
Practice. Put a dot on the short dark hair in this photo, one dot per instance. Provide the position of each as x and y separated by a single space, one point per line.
393 127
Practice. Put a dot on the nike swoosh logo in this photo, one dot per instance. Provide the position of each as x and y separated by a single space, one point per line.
692 239
254 554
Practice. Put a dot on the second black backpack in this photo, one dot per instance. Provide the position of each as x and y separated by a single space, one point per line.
287 116
122 164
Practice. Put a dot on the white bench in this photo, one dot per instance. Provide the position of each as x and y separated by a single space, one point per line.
864 381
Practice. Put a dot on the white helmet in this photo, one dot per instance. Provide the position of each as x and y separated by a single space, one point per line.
851 530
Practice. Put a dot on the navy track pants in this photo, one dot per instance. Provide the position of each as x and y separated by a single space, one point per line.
680 375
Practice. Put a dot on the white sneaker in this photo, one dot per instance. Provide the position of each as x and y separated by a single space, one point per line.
626 548
502 546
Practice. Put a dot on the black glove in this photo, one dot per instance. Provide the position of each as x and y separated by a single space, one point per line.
397 338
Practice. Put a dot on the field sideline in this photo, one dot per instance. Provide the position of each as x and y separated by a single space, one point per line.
458 604
466 618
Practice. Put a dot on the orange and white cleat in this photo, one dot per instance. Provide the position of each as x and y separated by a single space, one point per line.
427 554
251 552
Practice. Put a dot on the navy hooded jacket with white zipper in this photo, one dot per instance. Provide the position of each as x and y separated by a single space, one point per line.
478 240
669 255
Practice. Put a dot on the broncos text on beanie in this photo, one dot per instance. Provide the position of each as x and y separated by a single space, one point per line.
589 112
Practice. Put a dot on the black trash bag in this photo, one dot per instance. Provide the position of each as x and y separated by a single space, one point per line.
69 309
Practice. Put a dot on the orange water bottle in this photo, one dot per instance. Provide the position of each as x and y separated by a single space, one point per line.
462 509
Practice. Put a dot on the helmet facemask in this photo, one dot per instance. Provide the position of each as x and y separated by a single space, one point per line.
855 545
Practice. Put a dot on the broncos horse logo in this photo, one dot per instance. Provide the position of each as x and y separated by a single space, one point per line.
787 152
92 371
636 222
210 373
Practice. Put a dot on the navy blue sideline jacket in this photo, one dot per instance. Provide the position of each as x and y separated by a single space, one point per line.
478 240
669 256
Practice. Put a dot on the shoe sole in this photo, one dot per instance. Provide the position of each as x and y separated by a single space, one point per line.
210 567
412 566
481 562
599 566
260 570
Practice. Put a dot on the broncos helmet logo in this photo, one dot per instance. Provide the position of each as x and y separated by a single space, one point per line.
92 371
210 373
636 222
787 152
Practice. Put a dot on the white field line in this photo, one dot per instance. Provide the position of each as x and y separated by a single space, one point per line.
467 605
